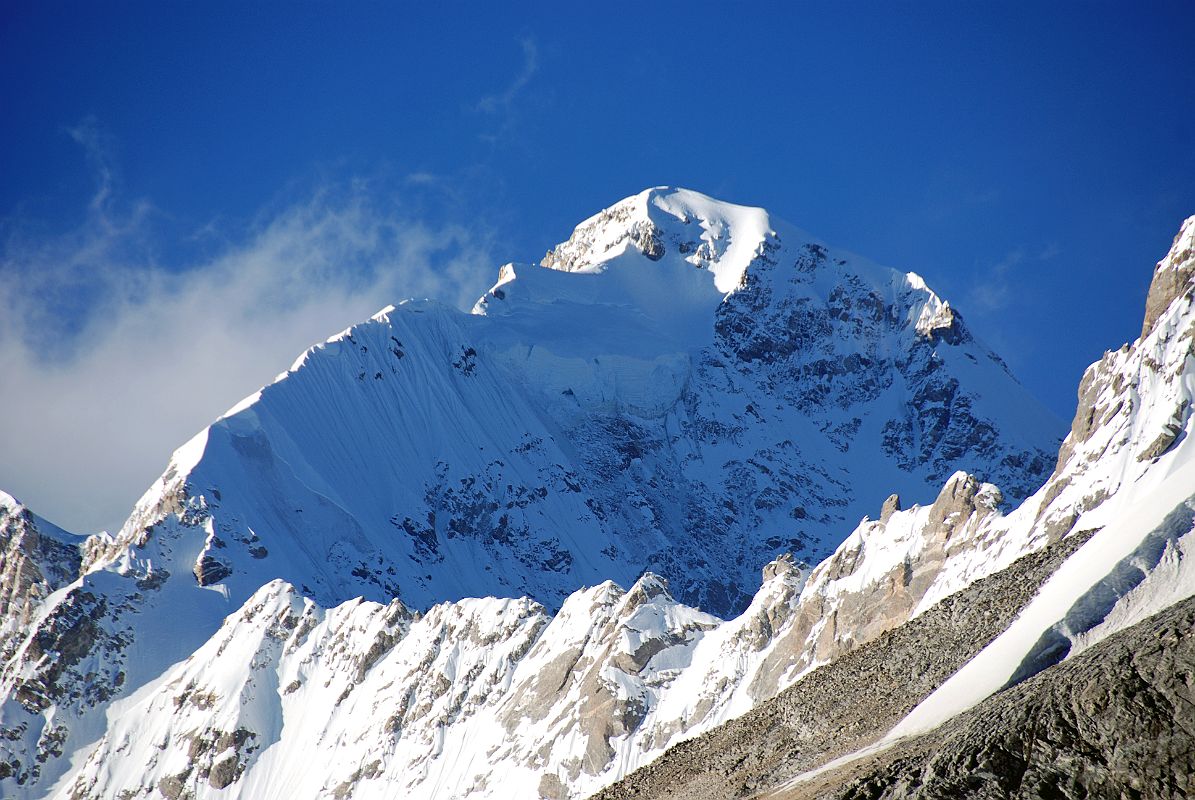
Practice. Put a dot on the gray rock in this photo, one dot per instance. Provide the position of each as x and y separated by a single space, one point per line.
209 570
1172 278
223 772
890 507
1166 440
782 565
36 558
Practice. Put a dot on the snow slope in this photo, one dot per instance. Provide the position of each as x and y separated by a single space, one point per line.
689 387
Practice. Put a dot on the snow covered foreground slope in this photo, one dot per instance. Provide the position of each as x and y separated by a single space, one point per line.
691 388
500 698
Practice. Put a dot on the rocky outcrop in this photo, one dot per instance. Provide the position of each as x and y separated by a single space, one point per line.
36 558
876 579
1172 277
1132 403
890 507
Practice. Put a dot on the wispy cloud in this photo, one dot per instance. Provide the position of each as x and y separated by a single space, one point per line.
501 105
88 135
501 101
994 291
109 360
1049 251
997 284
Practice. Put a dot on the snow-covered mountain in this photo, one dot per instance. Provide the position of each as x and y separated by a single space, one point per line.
685 386
690 387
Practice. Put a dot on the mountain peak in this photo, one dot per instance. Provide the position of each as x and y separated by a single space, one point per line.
552 435
680 224
8 502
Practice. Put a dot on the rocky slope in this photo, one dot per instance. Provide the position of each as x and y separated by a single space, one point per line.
688 387
851 701
1116 721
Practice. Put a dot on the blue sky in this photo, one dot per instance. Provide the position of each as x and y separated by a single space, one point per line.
192 193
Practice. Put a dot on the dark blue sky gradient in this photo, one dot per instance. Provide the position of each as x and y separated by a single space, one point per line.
1032 161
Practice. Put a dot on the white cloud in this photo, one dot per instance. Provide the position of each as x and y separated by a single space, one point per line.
995 288
108 360
501 105
502 101
993 291
88 135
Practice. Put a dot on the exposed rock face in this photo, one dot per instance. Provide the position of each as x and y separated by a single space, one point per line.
890 507
1132 402
1116 721
209 570
1172 277
36 558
